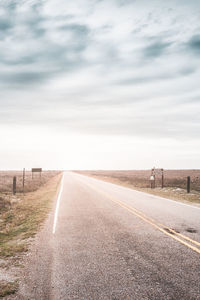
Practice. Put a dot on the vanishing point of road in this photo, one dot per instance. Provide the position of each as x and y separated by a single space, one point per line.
104 241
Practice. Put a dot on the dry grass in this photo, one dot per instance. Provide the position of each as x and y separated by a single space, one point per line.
31 184
175 182
20 218
7 288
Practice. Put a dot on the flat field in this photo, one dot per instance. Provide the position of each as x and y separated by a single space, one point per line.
175 182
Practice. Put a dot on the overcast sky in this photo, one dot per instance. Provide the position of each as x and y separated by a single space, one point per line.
99 84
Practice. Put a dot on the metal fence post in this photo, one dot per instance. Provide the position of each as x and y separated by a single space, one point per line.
14 185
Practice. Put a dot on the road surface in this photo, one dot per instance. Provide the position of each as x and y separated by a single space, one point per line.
104 241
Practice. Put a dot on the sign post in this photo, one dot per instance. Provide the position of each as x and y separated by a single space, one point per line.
155 172
152 181
37 170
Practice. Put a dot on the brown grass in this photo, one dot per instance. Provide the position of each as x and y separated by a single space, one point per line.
31 184
7 288
21 217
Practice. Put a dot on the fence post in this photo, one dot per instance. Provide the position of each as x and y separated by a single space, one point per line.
188 184
162 178
23 178
14 185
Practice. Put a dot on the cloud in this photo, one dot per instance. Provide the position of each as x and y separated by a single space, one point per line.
194 44
5 24
156 49
98 56
77 29
23 78
36 47
156 77
124 2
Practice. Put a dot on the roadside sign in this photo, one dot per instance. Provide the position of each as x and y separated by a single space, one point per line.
36 170
157 171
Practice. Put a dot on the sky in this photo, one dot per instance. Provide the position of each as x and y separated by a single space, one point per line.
99 84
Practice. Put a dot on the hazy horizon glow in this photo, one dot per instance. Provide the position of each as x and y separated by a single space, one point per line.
99 84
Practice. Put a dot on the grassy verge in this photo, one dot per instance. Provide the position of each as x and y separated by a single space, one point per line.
20 218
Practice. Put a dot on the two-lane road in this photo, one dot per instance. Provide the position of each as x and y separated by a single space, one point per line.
104 241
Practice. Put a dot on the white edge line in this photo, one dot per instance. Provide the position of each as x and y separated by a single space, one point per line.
58 205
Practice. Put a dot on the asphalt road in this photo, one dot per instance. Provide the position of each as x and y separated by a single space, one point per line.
104 241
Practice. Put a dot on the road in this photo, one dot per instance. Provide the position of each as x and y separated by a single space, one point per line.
104 241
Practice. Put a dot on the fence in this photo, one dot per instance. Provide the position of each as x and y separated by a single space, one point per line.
30 183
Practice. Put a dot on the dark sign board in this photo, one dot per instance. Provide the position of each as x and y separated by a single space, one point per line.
36 169
157 171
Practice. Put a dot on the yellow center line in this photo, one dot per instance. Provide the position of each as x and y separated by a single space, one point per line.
129 208
172 233
159 224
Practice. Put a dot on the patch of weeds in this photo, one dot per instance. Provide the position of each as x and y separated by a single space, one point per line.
7 288
12 248
8 217
4 204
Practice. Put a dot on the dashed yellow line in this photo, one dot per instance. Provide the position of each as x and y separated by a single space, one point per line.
166 230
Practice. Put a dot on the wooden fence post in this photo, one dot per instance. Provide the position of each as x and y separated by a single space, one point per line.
188 184
23 183
14 184
162 181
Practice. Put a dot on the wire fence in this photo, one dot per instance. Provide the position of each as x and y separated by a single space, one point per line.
31 181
